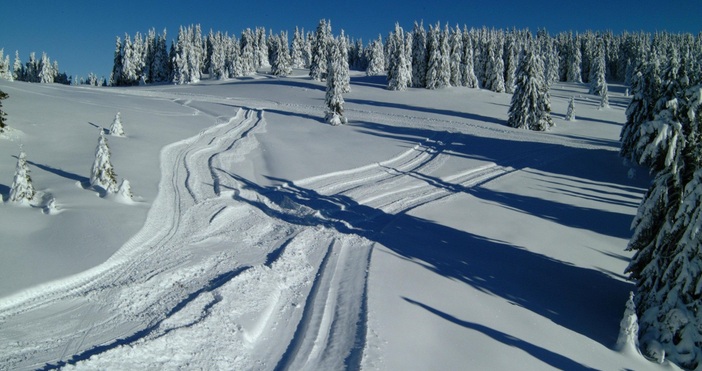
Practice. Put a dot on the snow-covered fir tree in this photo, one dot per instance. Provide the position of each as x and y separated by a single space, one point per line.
455 56
280 58
434 64
334 100
574 62
376 58
667 265
46 71
18 68
597 71
495 68
419 56
628 339
102 174
604 97
468 78
530 107
3 125
218 56
570 114
319 62
297 59
445 61
125 190
22 190
399 73
344 78
116 128
510 57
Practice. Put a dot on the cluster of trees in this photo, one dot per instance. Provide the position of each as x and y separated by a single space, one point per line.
40 70
663 131
102 175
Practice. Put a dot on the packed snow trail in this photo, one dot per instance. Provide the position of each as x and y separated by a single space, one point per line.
230 274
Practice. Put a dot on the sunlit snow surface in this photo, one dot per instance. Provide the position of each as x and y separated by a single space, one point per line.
424 234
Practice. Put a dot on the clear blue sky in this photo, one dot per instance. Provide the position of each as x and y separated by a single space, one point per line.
80 35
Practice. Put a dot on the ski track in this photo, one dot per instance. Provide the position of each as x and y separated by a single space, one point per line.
280 275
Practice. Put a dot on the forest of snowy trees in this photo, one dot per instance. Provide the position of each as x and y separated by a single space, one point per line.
663 128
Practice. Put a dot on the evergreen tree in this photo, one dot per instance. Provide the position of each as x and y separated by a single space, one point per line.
103 174
574 63
494 79
597 72
116 128
3 125
667 265
531 106
18 68
419 56
570 115
22 190
435 64
333 98
280 59
344 79
445 61
319 62
604 101
399 76
455 57
510 57
468 73
298 42
376 58
628 339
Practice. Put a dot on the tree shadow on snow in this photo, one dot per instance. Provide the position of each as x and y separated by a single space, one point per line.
554 360
583 300
406 107
62 173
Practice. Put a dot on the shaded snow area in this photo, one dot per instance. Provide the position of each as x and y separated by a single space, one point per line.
424 234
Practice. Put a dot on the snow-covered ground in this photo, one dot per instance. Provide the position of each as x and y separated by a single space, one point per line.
425 234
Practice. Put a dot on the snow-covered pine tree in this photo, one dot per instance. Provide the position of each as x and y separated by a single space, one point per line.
419 56
18 68
125 190
468 77
376 58
445 61
297 59
510 57
102 174
574 62
455 56
46 72
234 59
319 62
495 68
604 97
22 190
667 265
344 78
597 72
280 59
570 114
399 75
334 100
628 339
434 64
3 125
116 128
531 105
218 56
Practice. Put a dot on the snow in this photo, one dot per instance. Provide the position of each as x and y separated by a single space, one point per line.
423 234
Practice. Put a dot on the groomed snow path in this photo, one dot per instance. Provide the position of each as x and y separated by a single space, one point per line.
402 262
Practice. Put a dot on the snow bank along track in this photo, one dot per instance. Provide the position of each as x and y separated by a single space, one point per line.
228 274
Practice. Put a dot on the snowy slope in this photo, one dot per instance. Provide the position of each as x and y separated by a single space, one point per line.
426 234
